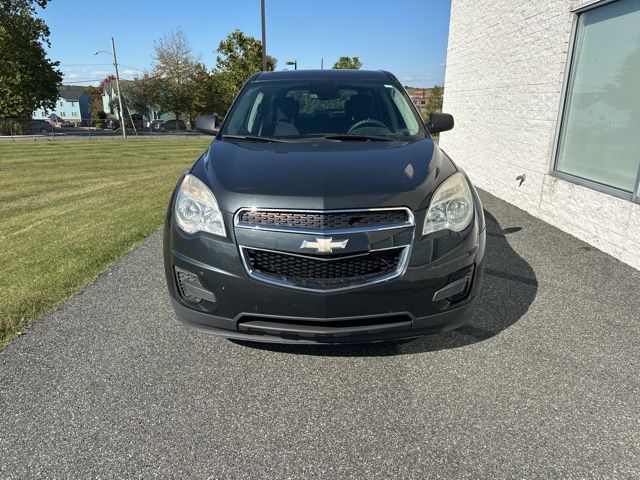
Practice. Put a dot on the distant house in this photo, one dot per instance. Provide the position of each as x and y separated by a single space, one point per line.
420 97
109 99
72 105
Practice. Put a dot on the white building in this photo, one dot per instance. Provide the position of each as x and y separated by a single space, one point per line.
551 89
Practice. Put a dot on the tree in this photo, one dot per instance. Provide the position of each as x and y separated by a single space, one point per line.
28 79
238 57
114 106
434 100
139 94
207 94
95 106
172 73
345 63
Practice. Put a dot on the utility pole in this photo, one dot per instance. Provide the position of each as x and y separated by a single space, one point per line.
322 64
115 63
264 39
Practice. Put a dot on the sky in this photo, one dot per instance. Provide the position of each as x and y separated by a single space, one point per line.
406 37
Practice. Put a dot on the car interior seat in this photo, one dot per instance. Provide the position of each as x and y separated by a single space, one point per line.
286 110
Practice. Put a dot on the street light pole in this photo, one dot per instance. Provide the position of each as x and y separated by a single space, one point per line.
264 39
115 63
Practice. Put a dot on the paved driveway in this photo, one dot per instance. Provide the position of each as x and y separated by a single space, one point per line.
543 384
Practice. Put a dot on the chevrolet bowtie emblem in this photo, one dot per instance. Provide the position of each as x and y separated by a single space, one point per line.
324 245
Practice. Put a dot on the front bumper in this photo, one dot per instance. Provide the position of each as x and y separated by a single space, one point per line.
308 331
246 308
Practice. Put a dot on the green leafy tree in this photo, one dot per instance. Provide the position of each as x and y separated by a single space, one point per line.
95 106
139 94
114 106
172 74
207 92
238 57
345 63
28 79
434 100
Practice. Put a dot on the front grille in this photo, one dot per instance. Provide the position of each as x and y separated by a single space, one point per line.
322 221
327 271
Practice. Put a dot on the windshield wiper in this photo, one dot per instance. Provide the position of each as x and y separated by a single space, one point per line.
358 138
252 138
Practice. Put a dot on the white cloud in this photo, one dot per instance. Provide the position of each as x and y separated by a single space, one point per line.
418 78
84 76
131 73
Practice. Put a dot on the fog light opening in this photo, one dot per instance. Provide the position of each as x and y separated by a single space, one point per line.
190 288
458 287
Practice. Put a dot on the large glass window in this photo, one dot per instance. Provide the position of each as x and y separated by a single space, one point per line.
600 132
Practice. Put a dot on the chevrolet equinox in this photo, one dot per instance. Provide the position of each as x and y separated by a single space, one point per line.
324 212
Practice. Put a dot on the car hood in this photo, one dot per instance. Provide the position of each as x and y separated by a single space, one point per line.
323 175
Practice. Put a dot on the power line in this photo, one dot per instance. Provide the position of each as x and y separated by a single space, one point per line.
83 64
70 82
132 68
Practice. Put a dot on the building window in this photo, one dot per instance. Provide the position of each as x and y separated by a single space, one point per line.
599 143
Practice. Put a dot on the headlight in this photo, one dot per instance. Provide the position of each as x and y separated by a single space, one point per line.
451 206
196 208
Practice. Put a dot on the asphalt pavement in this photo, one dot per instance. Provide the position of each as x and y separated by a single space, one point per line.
544 383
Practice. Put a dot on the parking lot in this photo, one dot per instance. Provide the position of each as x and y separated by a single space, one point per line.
543 383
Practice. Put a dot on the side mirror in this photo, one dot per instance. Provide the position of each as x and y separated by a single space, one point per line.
207 124
440 122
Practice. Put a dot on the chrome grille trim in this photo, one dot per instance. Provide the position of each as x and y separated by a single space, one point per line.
336 231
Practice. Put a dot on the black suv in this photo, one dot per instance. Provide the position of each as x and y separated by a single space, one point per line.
38 126
323 212
173 125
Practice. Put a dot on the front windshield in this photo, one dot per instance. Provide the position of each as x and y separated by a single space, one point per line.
324 108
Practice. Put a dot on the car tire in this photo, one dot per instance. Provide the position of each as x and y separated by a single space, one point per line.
44 131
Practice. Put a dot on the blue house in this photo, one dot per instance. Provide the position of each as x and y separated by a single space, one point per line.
72 105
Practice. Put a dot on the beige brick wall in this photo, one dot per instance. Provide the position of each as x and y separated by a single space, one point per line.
505 70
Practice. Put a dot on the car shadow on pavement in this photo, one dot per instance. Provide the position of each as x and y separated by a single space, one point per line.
509 288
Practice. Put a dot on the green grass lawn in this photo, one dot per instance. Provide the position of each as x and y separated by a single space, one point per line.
70 209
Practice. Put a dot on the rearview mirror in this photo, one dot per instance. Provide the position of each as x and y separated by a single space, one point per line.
207 124
440 122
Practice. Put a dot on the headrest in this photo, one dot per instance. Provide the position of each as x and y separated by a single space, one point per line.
286 108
